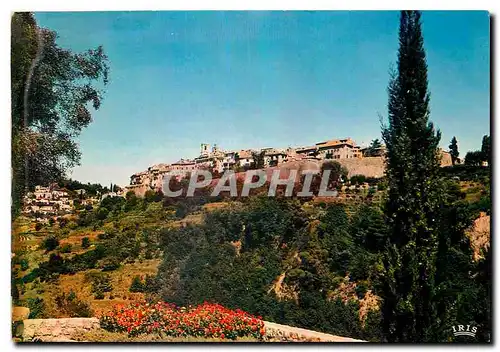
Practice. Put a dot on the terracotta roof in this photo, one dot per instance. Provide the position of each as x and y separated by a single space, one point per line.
336 142
245 154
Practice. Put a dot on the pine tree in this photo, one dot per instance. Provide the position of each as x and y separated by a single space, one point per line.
412 204
373 148
486 149
454 150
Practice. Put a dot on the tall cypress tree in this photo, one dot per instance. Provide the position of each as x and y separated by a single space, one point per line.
412 206
454 150
486 149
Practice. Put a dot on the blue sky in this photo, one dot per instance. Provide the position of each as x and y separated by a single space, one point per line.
259 79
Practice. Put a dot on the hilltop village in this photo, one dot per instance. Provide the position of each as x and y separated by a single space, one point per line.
54 201
366 161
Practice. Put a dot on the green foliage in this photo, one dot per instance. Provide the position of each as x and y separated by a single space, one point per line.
372 150
113 204
467 173
258 160
102 213
382 186
73 185
110 264
486 149
358 179
136 285
427 284
269 231
52 91
150 284
85 218
131 201
24 264
56 265
50 243
181 210
66 248
336 170
85 242
37 308
412 206
151 196
454 150
100 283
361 290
69 304
474 158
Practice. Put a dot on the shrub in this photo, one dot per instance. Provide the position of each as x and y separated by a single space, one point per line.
371 191
85 218
69 304
100 282
181 210
106 235
50 243
85 242
361 290
65 248
151 284
38 226
37 308
24 264
102 213
358 179
99 295
72 225
110 264
136 285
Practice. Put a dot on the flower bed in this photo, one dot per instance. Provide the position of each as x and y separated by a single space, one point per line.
205 320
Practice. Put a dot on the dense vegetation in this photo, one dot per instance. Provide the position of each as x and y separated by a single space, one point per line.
291 261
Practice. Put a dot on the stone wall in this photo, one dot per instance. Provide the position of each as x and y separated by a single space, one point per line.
368 166
283 333
56 330
62 330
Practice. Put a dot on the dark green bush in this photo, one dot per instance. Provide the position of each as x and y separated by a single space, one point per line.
136 285
110 264
37 308
50 243
85 242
